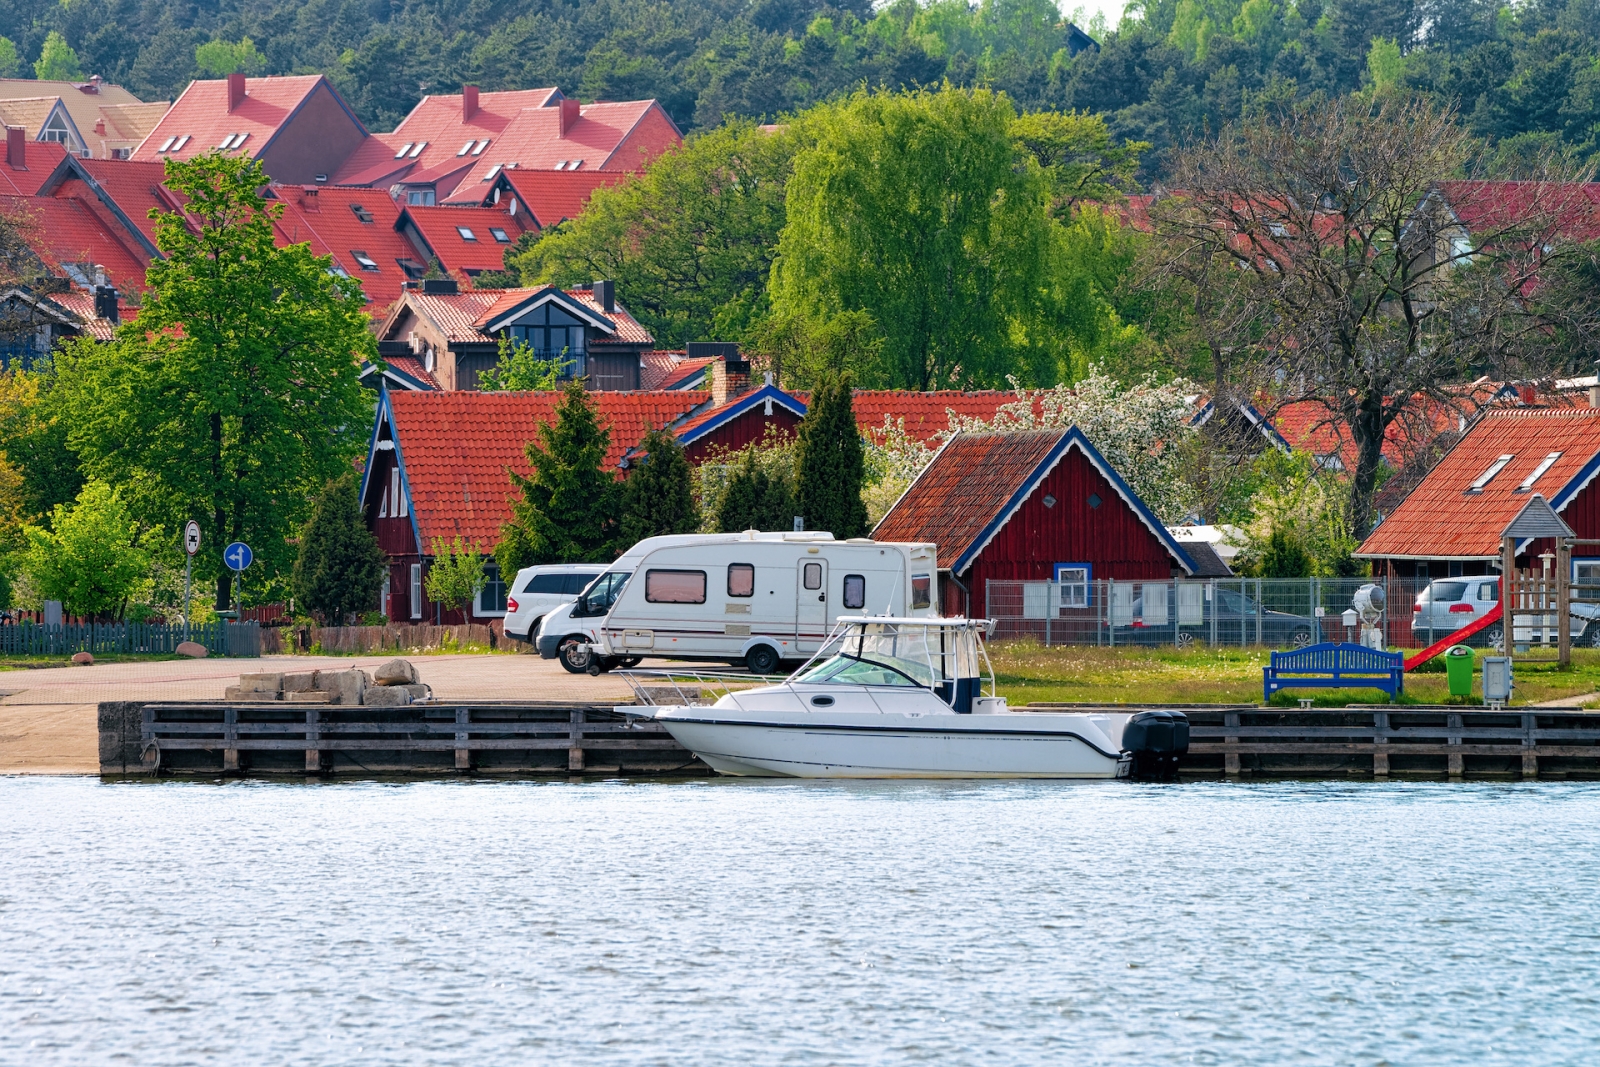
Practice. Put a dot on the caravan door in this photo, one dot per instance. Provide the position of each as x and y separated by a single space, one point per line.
811 605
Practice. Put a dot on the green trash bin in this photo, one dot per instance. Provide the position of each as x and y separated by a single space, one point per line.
1458 667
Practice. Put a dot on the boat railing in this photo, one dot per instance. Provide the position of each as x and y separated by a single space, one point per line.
656 688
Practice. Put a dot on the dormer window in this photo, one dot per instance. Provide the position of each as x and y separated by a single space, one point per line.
417 151
499 235
1488 476
361 213
1538 472
466 233
403 150
366 261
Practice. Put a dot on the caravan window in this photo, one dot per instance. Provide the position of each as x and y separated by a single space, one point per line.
741 579
812 573
855 591
675 587
921 591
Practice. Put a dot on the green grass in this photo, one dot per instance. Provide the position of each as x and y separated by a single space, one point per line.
1026 671
22 663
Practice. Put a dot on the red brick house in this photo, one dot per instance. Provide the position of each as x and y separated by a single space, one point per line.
425 478
1450 523
1041 505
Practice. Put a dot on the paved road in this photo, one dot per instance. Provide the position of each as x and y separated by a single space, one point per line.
47 717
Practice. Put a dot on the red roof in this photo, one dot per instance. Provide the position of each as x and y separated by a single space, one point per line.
446 230
670 370
926 414
1443 519
72 231
412 366
1487 206
134 187
457 446
551 196
41 158
448 139
327 219
459 316
81 304
201 114
616 137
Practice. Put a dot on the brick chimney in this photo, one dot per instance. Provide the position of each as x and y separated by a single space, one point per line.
16 147
1528 393
569 115
469 102
308 198
235 91
730 379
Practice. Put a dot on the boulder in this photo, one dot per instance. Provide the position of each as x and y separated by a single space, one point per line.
342 687
418 691
395 672
266 685
83 659
387 696
192 649
304 682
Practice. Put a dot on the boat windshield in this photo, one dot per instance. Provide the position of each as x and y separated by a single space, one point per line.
890 654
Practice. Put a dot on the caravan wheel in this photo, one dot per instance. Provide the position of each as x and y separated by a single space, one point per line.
763 659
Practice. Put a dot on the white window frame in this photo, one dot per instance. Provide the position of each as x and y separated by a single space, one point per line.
1073 579
1538 472
416 590
1482 481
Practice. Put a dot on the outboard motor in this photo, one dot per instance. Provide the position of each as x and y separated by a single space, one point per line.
1158 741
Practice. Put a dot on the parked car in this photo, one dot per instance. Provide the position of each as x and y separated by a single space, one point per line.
1448 604
1232 612
539 590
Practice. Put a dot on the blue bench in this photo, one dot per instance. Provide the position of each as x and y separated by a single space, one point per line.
1335 665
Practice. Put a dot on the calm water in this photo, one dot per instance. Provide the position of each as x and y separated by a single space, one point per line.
724 922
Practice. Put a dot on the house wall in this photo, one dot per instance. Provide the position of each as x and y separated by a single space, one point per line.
749 428
321 136
612 371
1111 537
644 142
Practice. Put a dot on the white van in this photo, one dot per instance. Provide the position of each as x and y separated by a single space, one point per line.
538 589
751 598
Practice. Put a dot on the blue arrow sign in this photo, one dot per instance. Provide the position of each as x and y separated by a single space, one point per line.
237 555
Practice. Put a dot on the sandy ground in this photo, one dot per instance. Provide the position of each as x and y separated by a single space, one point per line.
48 717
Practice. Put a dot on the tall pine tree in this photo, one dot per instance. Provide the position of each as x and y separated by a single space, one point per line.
755 499
568 511
340 567
658 498
830 466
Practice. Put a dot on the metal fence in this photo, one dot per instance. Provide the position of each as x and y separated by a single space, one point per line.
220 639
1240 612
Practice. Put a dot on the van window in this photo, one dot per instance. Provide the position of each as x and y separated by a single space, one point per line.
921 591
741 579
546 583
577 581
675 587
812 575
598 598
855 591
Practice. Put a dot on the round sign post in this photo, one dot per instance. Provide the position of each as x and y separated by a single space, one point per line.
238 556
191 545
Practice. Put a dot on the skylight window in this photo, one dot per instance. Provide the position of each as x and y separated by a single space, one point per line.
481 146
366 261
466 233
1488 476
499 235
562 165
239 139
466 148
227 142
1538 472
181 142
417 151
361 213
403 150
576 163
166 144
492 172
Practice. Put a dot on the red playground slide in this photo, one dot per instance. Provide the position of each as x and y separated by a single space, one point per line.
1455 637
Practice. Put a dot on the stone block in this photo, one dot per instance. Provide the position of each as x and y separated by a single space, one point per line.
304 682
233 692
310 696
83 659
261 683
395 672
418 691
343 687
192 649
386 696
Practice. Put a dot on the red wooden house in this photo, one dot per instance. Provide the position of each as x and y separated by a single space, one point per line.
1041 505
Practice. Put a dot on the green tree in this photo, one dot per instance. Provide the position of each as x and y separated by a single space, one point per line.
658 497
339 569
567 512
222 58
519 368
57 61
916 209
93 558
690 240
1079 156
10 62
830 467
755 498
1284 556
33 433
455 575
234 396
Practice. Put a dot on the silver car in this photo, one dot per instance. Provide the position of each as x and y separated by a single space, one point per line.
538 590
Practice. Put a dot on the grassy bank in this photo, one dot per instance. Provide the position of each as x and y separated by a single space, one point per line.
1027 671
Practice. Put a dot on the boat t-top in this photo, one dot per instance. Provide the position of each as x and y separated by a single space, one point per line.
898 698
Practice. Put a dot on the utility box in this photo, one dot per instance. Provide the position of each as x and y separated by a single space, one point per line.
1497 683
1458 668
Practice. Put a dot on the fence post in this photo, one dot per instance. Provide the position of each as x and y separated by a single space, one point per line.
1260 611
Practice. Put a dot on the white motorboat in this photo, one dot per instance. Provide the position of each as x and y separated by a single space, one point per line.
898 698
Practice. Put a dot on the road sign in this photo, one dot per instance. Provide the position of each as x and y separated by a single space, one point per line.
237 555
191 537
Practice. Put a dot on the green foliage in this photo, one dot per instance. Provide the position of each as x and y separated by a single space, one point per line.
802 351
690 241
1284 556
830 468
455 575
339 570
10 62
1295 508
520 367
221 58
235 397
568 511
34 436
57 61
93 558
1080 157
755 498
658 497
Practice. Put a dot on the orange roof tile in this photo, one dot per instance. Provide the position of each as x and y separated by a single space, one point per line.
81 304
201 114
445 230
1443 519
620 136
62 231
672 370
550 196
41 159
127 188
926 414
456 448
327 219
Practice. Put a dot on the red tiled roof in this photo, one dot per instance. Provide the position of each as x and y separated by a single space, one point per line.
460 315
410 365
457 447
202 115
441 228
1486 206
551 196
81 304
135 188
41 159
925 414
437 123
1440 519
71 231
620 136
668 370
325 218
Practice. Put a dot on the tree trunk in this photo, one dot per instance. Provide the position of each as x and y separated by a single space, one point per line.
1367 426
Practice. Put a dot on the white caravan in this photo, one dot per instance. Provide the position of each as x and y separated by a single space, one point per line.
751 598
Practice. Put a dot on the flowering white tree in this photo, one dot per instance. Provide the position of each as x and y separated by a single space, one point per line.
894 458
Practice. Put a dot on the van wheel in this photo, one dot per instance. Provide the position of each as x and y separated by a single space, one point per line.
1496 638
763 659
574 654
